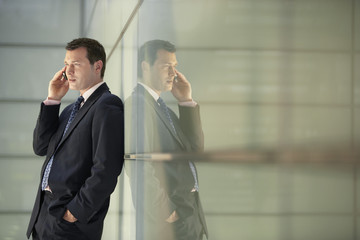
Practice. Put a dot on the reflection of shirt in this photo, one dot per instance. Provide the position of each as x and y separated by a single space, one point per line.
152 92
156 97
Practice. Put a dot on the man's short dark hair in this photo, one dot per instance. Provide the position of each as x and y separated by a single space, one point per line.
95 51
148 52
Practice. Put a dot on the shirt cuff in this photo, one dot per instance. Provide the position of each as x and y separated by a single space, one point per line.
191 103
51 102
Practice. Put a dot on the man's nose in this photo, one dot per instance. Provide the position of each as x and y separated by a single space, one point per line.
69 69
171 71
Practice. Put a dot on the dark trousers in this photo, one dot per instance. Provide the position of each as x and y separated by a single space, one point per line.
187 227
190 228
47 227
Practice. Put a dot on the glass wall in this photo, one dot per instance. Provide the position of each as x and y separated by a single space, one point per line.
276 82
278 85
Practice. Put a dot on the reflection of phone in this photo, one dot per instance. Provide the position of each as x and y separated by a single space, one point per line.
64 76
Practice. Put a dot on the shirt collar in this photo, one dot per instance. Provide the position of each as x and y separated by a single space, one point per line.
151 91
88 93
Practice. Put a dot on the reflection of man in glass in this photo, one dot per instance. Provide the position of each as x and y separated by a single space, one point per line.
166 194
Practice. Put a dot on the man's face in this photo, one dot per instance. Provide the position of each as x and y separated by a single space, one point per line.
162 72
81 74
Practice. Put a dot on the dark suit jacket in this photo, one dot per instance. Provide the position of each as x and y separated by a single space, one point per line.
87 162
159 188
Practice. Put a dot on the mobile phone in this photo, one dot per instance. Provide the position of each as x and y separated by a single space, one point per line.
64 76
175 78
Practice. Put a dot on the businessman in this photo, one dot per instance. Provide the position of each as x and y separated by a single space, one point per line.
83 147
165 194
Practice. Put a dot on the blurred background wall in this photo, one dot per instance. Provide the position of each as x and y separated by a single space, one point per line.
278 82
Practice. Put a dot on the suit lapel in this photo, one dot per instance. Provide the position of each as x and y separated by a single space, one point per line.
84 109
166 121
142 91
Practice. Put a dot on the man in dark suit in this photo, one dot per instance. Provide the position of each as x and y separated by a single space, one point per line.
83 148
165 194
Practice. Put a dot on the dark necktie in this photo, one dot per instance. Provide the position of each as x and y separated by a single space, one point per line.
166 111
73 113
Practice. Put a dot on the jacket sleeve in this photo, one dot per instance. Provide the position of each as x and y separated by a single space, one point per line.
46 125
190 123
108 159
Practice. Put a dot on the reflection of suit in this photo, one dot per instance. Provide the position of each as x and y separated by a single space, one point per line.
87 162
161 188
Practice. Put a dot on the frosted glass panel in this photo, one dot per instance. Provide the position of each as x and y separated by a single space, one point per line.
106 19
311 126
31 71
13 226
39 22
19 181
357 127
240 126
267 76
357 25
275 228
230 127
16 131
276 189
357 80
272 24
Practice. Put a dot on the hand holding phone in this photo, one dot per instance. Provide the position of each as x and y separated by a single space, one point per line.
64 76
181 88
58 86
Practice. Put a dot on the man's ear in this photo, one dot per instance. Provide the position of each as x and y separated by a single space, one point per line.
145 66
98 66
